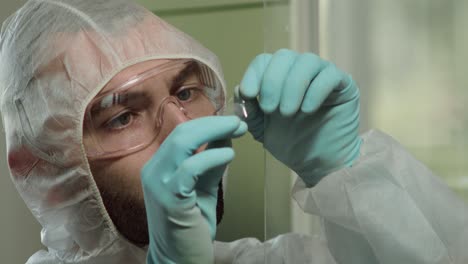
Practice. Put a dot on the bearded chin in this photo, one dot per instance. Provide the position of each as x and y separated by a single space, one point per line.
133 223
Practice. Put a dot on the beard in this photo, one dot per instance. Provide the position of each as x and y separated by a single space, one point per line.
128 213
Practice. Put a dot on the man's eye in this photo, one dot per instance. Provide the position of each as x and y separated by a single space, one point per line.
121 121
184 94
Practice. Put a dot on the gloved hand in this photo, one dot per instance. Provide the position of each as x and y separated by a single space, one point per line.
304 110
180 188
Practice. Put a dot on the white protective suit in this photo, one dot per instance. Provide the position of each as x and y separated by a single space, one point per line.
56 55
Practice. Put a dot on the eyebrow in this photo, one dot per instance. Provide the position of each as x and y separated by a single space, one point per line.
192 68
121 99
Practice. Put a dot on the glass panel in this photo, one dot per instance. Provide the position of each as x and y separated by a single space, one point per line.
277 35
426 80
293 25
409 59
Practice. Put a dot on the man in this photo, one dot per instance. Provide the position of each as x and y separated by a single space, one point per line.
117 143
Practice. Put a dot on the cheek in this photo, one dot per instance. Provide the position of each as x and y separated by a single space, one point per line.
141 157
116 175
123 174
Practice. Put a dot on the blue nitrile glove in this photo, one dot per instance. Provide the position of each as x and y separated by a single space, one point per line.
180 189
304 110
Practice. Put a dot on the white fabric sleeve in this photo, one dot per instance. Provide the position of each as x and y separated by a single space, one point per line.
284 249
388 208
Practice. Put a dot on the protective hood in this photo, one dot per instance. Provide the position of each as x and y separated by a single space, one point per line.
55 56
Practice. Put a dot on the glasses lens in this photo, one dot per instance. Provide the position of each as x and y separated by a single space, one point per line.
196 101
123 121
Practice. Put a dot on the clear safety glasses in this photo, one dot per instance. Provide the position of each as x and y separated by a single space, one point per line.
129 117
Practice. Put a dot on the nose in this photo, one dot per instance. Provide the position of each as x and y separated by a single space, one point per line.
172 116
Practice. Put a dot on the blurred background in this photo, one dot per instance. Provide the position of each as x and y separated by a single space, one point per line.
408 58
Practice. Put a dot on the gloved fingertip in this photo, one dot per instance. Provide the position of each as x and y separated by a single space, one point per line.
247 88
287 110
244 124
235 120
308 108
226 152
250 85
230 153
267 107
237 92
241 130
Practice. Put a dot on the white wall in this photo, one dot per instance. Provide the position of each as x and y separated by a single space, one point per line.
19 231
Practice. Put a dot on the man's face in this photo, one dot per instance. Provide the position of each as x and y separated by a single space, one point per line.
118 178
